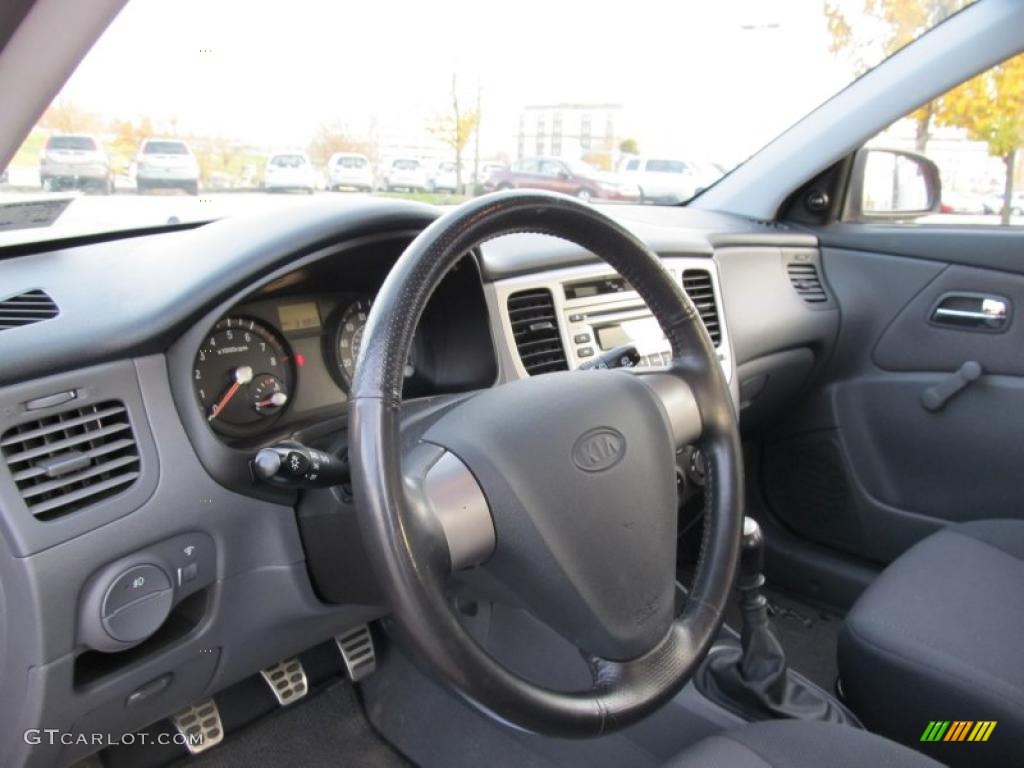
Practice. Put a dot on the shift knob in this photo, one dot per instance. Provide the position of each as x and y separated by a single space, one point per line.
751 574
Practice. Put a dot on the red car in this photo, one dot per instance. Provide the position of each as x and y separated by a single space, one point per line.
571 177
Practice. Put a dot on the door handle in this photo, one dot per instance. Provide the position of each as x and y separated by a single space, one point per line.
972 311
934 399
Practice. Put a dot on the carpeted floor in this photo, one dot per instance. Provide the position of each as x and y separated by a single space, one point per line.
327 731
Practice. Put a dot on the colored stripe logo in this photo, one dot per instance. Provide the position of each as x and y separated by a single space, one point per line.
958 730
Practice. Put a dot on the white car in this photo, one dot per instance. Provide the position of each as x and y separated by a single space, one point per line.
289 171
349 170
74 160
166 163
404 173
662 179
443 179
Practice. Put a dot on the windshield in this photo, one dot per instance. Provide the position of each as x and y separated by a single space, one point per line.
288 161
71 142
690 89
164 148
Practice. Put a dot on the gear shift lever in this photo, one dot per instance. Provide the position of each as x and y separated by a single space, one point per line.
754 679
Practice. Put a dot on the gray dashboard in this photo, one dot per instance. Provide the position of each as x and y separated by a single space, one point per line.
133 313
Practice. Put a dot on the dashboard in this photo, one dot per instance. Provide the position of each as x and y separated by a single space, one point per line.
131 441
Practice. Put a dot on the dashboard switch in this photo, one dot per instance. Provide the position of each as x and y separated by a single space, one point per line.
134 584
294 465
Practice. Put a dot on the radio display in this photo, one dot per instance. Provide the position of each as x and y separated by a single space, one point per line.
598 287
644 333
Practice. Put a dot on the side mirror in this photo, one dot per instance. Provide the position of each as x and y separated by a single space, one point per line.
892 185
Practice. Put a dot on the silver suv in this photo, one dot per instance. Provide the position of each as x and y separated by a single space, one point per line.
75 161
166 163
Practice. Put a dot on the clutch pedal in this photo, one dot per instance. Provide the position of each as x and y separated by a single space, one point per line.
200 725
287 680
357 652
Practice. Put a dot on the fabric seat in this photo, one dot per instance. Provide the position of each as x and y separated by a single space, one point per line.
798 744
939 636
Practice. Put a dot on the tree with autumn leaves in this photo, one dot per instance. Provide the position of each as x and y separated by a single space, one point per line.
988 108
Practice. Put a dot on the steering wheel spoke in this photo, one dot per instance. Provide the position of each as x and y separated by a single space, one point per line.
680 405
439 485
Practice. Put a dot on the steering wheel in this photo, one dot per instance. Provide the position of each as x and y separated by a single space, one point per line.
561 485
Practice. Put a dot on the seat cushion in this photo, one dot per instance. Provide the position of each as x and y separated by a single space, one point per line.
798 744
939 636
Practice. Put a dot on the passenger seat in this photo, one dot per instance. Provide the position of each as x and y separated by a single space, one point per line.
939 636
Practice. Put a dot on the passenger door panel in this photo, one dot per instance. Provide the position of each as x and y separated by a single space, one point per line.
865 467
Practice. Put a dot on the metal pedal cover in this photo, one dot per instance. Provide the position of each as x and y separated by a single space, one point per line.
357 651
201 726
287 679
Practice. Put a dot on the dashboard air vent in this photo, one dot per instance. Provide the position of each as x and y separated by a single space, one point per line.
73 459
535 329
806 282
698 286
26 308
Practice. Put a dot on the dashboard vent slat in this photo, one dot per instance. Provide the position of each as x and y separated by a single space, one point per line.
698 286
535 330
70 460
806 282
26 308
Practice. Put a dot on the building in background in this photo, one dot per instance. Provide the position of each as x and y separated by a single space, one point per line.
586 132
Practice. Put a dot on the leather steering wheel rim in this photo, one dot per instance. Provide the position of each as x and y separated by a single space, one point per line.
407 550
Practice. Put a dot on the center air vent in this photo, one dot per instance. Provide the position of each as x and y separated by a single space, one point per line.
535 329
805 279
25 309
73 459
698 286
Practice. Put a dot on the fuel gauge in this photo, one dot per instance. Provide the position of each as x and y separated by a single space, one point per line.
267 394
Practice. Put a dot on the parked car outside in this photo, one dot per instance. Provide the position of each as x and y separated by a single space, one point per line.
75 161
662 179
348 170
443 179
289 171
403 173
166 164
571 177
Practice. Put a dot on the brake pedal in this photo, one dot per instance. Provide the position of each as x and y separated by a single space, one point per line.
357 652
287 680
200 725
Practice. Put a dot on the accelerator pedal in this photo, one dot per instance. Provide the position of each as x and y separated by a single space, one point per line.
287 680
357 652
201 726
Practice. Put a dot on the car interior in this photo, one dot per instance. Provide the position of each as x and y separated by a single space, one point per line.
523 481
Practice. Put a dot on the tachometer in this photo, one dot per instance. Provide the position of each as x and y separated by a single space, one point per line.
242 375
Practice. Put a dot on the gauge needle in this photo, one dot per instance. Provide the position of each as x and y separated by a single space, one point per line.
276 399
243 375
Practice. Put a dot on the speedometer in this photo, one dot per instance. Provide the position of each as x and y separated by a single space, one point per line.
242 376
348 336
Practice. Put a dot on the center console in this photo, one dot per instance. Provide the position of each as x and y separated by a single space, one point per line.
559 319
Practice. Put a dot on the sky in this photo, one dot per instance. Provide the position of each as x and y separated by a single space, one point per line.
715 79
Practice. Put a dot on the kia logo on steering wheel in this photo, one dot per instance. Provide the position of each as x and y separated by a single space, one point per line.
599 449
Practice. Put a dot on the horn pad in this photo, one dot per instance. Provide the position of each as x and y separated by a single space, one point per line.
579 473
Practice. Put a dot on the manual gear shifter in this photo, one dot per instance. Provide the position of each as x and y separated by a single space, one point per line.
753 679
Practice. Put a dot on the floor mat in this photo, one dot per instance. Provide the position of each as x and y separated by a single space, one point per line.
808 635
327 731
